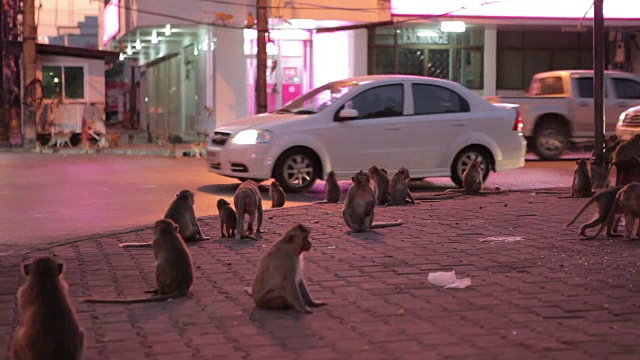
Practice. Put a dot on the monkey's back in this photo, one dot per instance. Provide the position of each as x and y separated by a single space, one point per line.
272 271
50 329
251 197
174 269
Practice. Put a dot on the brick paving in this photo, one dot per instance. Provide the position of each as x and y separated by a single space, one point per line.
547 296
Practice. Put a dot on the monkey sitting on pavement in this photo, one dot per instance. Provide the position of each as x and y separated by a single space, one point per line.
174 267
49 327
331 189
228 218
399 188
182 213
248 201
380 183
581 186
605 200
278 196
279 283
359 205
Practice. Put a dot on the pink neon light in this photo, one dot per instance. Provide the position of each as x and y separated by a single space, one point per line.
553 9
110 21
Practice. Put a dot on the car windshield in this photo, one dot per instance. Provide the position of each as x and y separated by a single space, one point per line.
317 99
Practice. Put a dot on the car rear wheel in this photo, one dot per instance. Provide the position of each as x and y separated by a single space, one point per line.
464 158
297 170
550 140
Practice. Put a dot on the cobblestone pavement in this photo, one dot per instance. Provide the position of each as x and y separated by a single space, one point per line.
547 295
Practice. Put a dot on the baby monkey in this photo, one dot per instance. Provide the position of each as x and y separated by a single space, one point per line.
279 283
278 196
228 218
49 328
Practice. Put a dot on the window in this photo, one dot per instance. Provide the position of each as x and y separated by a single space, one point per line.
627 88
585 87
64 81
382 101
431 99
546 86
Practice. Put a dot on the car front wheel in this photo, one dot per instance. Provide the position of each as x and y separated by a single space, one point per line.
464 158
297 170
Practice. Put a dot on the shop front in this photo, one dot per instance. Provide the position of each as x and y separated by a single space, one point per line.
495 47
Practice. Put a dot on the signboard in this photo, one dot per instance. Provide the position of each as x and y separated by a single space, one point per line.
110 21
550 9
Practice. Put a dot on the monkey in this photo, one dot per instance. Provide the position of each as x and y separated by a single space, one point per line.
228 218
605 200
278 196
174 267
581 186
49 326
279 283
180 212
472 177
247 200
399 188
331 189
627 202
380 183
359 205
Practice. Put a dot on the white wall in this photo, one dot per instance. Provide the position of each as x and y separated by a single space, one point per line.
230 93
94 74
338 55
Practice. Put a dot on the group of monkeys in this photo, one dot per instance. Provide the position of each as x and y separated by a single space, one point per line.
49 326
612 202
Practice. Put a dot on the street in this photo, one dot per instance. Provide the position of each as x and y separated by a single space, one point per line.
47 198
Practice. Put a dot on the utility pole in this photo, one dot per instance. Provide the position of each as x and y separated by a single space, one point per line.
29 37
261 76
598 80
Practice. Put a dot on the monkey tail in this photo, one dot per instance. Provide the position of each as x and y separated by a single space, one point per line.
575 217
385 224
175 295
136 245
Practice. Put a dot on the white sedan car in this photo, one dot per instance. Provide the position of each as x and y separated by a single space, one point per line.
432 127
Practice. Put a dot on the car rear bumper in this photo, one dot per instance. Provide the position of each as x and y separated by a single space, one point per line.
512 155
245 161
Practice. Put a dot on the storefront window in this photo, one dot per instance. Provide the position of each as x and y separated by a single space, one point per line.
427 51
522 54
66 82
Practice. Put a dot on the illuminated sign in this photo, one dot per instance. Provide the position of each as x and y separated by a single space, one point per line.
551 9
110 21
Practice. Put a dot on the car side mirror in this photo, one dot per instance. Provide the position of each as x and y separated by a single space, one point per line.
347 114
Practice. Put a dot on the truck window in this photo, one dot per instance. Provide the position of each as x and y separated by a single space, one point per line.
431 99
585 87
627 88
551 86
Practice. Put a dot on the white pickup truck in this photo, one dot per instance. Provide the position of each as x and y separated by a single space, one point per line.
558 107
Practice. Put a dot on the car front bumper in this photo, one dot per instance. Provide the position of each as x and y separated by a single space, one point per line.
240 161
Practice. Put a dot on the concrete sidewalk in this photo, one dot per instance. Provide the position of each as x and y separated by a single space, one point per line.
137 149
543 295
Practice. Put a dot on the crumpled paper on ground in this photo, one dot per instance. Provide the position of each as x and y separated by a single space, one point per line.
448 279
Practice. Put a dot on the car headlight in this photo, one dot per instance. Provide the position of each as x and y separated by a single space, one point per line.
250 137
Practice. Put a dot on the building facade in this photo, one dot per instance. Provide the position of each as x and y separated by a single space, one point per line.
496 47
196 65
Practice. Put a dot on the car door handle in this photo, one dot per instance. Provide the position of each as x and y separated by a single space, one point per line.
392 127
582 104
622 104
460 123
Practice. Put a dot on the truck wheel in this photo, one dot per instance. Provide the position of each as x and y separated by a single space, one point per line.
551 140
297 170
464 158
